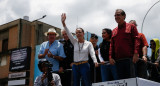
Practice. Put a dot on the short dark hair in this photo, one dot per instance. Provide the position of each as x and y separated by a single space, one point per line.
43 61
122 12
109 31
94 36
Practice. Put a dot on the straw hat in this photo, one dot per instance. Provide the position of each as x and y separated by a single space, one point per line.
51 30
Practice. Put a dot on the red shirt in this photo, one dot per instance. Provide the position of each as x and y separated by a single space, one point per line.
124 41
143 42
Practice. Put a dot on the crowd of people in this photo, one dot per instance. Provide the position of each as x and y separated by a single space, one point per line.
78 62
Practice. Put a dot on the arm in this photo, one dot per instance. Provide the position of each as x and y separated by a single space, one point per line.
41 54
111 60
136 43
158 58
37 81
63 18
57 79
99 56
92 54
144 50
59 58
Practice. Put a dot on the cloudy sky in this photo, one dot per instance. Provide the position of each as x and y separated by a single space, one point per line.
92 15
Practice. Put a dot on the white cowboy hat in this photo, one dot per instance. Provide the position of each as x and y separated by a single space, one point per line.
51 30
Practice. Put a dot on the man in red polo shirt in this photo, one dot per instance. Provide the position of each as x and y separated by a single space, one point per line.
124 46
141 66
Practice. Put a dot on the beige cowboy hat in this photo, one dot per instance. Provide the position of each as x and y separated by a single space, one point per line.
51 30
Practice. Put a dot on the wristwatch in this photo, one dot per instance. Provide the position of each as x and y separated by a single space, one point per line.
145 55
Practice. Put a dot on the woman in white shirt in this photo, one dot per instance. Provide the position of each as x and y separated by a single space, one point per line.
82 49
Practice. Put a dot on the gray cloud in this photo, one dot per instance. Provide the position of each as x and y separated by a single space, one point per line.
92 15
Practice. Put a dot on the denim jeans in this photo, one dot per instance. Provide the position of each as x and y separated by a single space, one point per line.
81 71
107 71
125 68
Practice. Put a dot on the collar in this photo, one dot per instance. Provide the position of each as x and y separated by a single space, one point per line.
121 26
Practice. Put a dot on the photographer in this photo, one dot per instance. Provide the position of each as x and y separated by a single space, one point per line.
47 78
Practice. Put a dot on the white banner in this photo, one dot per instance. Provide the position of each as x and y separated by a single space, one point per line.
128 82
17 75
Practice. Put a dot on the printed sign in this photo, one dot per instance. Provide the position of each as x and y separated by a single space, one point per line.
20 59
17 75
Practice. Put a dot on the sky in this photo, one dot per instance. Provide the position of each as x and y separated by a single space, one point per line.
91 15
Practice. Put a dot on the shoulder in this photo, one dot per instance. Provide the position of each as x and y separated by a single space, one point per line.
55 75
58 43
130 26
44 43
87 42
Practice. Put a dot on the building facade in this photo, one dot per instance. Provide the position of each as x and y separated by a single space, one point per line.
18 34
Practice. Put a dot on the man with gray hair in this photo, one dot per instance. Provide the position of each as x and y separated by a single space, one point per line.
52 50
141 66
124 46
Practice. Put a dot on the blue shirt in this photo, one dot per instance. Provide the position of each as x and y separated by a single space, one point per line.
56 48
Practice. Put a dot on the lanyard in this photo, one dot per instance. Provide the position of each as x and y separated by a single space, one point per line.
80 48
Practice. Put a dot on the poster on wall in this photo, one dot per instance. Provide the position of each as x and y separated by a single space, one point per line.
20 59
37 72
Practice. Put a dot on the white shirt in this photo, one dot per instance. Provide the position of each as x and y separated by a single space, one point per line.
99 56
81 50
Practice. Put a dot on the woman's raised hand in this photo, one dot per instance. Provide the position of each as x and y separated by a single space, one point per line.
63 18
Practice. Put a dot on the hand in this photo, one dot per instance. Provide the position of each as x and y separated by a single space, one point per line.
71 64
96 64
135 58
144 58
63 18
50 54
111 61
103 62
43 76
52 83
157 64
61 69
46 52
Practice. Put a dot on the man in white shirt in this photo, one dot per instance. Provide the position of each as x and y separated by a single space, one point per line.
47 78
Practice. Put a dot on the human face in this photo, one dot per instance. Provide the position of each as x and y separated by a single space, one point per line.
119 17
51 37
93 40
79 34
105 35
132 22
44 68
64 34
152 45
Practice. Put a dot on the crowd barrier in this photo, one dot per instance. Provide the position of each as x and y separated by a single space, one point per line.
128 82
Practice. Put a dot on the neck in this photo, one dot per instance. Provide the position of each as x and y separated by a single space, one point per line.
81 40
50 42
107 39
94 45
121 23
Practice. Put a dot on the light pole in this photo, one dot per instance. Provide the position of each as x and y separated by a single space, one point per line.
41 17
146 15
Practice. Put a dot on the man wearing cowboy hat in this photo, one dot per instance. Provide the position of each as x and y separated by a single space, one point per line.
52 50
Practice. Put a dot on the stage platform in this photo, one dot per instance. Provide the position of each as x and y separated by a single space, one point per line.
128 82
